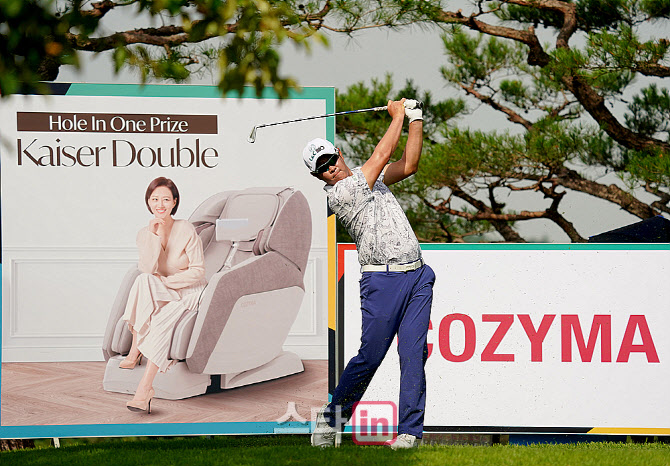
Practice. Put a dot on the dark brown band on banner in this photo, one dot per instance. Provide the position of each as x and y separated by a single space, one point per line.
116 123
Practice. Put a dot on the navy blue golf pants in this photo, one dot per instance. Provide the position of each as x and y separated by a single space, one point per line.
391 303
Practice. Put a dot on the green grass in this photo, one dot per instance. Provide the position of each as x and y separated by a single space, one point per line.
295 450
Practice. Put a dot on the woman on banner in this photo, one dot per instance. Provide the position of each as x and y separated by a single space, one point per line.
172 278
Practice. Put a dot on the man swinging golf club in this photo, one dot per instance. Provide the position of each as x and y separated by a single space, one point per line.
396 286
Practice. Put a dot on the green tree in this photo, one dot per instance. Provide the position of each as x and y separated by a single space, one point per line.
171 39
559 100
569 98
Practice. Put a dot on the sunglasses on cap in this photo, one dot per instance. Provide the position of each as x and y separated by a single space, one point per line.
323 168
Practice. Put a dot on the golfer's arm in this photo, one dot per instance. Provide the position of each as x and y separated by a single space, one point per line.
409 163
382 154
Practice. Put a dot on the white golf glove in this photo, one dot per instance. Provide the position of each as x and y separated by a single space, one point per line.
413 110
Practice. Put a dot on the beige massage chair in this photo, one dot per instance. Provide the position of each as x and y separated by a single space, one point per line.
255 259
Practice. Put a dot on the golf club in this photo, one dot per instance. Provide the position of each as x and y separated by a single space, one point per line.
252 136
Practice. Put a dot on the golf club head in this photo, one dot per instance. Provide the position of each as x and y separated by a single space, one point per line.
252 136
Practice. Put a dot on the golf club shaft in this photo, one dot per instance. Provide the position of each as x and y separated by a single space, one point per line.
252 136
373 109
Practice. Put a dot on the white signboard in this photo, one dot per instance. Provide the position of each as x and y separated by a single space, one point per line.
75 168
538 338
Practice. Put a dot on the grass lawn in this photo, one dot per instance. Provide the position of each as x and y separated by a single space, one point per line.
295 450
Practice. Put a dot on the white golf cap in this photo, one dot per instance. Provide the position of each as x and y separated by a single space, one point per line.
315 149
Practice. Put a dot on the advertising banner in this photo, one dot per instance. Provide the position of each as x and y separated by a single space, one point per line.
545 338
246 349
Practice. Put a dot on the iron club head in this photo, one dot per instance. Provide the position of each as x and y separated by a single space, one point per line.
252 136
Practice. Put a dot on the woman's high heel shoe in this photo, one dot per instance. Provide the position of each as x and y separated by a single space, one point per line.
126 364
141 405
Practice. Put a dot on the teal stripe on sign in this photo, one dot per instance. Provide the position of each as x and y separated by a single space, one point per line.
194 91
158 429
136 90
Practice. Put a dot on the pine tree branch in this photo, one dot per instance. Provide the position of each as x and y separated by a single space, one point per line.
568 10
554 215
498 221
571 179
565 225
100 9
170 36
652 69
592 102
490 216
663 204
512 116
536 54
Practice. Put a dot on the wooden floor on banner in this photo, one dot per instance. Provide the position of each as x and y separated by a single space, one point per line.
66 393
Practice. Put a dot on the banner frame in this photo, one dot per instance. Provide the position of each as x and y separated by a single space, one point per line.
594 430
327 94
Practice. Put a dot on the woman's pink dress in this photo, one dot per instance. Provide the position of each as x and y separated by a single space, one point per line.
171 282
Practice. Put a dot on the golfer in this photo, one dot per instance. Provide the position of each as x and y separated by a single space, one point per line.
396 286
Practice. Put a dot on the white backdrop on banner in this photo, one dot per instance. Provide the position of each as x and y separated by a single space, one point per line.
545 338
75 168
73 201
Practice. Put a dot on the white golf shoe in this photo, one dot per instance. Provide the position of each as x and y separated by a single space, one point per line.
324 435
402 441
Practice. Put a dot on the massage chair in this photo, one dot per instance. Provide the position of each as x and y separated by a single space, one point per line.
256 244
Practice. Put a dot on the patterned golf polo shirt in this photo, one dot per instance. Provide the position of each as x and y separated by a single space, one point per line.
374 219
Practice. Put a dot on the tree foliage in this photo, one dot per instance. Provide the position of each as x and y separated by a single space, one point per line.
171 39
563 102
40 36
565 73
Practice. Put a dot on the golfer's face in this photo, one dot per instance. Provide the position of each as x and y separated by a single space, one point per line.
336 172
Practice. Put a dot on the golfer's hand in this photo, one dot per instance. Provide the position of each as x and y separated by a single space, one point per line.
412 110
396 108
